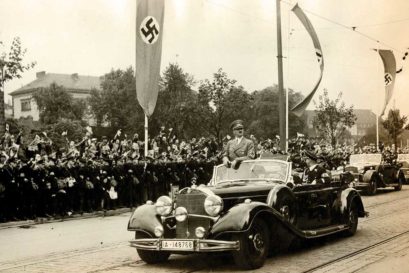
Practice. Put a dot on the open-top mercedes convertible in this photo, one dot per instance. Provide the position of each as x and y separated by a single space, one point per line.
370 172
251 212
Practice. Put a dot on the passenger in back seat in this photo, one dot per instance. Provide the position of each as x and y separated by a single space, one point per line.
313 173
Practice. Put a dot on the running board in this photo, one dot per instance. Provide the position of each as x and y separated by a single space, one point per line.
324 231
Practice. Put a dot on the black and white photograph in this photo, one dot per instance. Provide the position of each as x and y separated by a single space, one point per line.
204 136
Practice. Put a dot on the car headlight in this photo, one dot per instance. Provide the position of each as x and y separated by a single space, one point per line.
158 231
200 232
180 214
213 205
164 205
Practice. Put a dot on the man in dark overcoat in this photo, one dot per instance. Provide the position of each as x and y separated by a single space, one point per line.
314 173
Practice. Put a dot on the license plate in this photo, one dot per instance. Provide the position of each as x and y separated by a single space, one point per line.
177 245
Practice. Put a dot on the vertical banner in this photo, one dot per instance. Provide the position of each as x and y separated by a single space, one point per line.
301 106
389 65
149 32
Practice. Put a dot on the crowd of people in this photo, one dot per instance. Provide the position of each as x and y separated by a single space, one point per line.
92 174
101 174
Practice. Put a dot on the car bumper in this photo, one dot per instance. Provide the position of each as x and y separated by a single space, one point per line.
199 245
360 185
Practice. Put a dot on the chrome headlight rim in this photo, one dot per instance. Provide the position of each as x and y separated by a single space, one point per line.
213 205
181 214
200 232
164 205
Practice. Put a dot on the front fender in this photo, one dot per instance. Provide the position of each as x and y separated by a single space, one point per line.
272 197
400 174
239 217
144 218
368 175
348 196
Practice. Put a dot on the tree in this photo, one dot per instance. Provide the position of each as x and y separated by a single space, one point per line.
97 107
116 103
176 102
220 102
11 67
55 103
264 113
74 129
332 117
395 125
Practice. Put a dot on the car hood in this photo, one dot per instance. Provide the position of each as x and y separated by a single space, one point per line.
248 189
237 194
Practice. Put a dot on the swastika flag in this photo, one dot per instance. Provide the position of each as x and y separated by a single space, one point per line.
301 106
389 65
149 32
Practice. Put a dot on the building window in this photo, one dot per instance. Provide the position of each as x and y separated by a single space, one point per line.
26 105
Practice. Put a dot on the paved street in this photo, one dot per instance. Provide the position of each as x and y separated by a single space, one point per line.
100 245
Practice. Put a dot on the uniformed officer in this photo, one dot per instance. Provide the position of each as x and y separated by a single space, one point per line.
314 173
239 148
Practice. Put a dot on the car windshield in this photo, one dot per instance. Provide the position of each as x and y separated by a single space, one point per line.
253 170
405 164
403 157
370 159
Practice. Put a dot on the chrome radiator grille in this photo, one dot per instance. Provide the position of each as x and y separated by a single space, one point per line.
193 202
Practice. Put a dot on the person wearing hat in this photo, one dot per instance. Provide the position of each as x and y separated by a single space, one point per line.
238 148
314 173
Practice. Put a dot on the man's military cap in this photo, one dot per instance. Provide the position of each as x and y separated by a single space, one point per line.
311 155
237 124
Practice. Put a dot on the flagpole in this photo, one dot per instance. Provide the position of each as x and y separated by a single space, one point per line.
146 136
281 94
377 114
288 84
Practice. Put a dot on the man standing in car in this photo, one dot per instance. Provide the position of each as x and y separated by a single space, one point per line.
239 148
314 173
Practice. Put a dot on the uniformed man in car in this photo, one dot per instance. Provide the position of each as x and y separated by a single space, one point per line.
314 173
238 148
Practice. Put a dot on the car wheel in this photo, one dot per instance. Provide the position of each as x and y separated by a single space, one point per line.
352 220
286 206
254 246
151 256
373 187
401 179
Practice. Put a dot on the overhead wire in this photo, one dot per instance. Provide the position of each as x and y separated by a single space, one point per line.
352 28
341 25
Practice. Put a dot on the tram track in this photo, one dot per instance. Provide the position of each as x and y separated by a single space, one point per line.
57 256
385 202
355 253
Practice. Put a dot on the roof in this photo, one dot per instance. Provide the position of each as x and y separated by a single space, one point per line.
72 82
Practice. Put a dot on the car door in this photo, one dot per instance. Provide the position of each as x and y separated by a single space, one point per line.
314 204
388 174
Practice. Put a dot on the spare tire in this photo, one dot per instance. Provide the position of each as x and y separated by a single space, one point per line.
286 205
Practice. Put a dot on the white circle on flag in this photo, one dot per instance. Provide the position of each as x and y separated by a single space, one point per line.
149 30
388 79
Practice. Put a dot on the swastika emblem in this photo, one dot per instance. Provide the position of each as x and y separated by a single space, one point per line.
149 30
319 55
388 79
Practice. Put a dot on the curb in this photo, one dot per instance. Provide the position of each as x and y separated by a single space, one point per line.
43 220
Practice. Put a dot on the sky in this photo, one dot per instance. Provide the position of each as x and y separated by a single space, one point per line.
239 36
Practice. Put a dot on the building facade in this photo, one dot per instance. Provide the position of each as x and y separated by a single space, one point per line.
365 119
78 86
